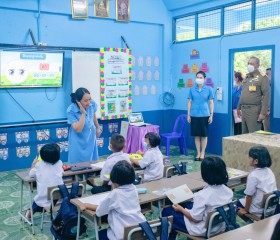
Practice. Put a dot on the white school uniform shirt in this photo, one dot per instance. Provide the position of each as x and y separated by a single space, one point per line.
110 162
210 197
123 209
259 182
153 162
47 175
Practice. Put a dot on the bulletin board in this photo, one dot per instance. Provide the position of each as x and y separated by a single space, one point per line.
115 83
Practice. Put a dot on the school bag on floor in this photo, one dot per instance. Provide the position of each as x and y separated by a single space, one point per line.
64 226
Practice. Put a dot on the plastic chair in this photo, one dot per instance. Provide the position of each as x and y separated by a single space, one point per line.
177 133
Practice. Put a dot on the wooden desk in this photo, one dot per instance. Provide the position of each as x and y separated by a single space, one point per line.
234 179
260 230
236 150
28 183
146 198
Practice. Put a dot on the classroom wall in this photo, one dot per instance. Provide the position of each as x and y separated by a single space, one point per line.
216 53
148 34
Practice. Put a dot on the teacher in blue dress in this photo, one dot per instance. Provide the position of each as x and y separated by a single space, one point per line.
200 113
84 127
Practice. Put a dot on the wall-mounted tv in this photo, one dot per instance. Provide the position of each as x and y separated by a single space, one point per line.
30 69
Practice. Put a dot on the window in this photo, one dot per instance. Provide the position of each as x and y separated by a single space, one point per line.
185 28
209 24
237 18
267 13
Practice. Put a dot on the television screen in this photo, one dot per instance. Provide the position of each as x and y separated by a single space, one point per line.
30 69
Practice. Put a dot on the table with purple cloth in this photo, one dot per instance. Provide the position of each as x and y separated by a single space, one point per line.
135 137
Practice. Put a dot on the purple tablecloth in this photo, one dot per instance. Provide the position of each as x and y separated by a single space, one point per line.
135 137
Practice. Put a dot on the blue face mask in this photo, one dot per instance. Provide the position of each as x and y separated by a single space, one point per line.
145 146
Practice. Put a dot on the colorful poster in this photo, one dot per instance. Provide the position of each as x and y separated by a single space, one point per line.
100 142
116 82
63 146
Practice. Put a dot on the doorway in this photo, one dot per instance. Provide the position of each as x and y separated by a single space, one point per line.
239 59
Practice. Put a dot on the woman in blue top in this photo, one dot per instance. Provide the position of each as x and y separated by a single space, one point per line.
84 127
237 90
200 113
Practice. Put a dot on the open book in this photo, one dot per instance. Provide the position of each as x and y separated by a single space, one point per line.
179 194
97 165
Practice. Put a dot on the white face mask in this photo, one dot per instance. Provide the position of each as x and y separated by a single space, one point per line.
250 68
199 80
109 148
145 146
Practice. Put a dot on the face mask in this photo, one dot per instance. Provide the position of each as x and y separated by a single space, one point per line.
199 81
250 68
145 146
109 148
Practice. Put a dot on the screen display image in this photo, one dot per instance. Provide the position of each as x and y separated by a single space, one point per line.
30 69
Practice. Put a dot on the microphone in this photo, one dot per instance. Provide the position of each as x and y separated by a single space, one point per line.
124 42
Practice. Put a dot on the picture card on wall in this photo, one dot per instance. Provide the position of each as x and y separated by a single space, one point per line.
43 134
156 75
149 75
185 68
140 61
136 90
181 83
156 61
62 132
144 90
209 82
23 151
140 75
204 67
148 61
100 142
4 153
189 83
133 75
153 90
3 138
22 137
63 146
194 54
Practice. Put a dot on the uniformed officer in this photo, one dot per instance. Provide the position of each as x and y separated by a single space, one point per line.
255 98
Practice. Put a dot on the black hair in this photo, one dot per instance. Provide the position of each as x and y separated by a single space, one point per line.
78 95
238 75
50 153
154 139
202 73
261 154
122 173
118 142
214 171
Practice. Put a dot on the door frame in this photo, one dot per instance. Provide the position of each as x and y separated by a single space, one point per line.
231 74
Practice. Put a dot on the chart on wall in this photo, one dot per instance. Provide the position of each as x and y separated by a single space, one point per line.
115 82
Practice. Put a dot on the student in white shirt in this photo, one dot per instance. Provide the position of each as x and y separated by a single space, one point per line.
48 172
152 159
192 219
260 180
121 205
117 144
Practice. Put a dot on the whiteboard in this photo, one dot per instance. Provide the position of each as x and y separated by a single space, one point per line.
86 73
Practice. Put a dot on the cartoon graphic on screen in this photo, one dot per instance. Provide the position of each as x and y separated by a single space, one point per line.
16 71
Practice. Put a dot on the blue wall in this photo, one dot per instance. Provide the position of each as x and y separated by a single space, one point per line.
148 34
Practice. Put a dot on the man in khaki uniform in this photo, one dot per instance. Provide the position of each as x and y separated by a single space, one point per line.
255 98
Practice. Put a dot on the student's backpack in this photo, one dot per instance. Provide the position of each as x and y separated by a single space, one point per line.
277 209
181 169
149 232
64 226
230 218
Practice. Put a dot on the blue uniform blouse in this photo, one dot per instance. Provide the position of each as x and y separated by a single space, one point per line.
236 96
200 101
82 146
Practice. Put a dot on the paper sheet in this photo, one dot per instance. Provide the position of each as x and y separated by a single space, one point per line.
179 194
97 165
96 199
264 132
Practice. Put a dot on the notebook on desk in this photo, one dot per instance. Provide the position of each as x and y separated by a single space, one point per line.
136 119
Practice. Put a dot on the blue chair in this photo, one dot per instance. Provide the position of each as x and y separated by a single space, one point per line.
177 133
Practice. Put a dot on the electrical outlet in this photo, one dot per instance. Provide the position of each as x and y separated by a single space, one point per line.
219 93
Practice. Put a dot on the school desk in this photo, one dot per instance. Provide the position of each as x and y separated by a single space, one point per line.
236 149
28 183
146 199
236 177
260 230
135 137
